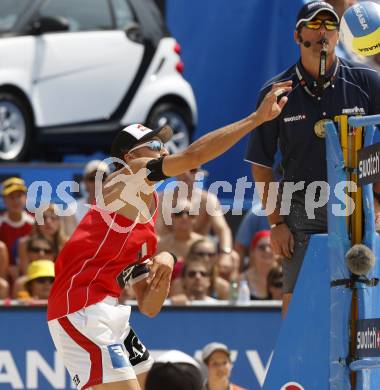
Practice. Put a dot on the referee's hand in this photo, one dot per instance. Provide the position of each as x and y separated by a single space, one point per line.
160 270
282 241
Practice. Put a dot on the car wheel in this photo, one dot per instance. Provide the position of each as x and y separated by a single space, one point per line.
178 119
15 128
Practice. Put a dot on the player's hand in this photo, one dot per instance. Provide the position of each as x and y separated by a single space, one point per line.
160 270
282 241
270 107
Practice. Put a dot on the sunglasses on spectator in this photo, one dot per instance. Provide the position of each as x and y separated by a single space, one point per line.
154 144
194 170
36 249
182 213
193 274
316 24
204 254
263 247
277 284
44 280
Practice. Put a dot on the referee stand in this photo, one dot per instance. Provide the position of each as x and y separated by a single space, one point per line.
330 338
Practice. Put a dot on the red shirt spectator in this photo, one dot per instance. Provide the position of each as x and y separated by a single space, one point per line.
15 222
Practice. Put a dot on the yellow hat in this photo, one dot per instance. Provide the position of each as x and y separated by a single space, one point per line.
13 184
40 269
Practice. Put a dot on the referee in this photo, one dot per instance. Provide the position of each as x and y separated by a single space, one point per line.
343 88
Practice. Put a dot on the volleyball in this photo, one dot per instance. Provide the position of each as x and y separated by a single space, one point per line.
360 28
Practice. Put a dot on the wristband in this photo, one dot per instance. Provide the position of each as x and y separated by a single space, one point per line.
276 224
174 257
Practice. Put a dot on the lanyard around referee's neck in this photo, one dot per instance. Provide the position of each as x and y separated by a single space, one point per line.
303 82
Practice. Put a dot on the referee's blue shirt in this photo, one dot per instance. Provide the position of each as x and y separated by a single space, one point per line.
355 89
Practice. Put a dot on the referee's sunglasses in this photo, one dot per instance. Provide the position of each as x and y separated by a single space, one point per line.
154 144
316 24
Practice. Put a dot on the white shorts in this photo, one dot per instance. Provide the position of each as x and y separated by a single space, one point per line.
97 344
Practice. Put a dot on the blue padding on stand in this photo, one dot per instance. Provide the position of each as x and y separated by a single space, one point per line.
338 243
302 350
369 298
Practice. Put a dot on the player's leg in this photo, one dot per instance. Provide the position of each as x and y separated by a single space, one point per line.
139 356
90 343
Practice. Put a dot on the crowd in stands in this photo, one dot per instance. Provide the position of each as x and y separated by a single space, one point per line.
190 224
176 370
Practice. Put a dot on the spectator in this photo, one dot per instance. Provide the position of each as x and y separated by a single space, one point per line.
206 208
183 236
36 247
217 358
40 277
274 283
249 226
174 370
261 260
52 229
4 263
15 222
204 250
88 188
196 282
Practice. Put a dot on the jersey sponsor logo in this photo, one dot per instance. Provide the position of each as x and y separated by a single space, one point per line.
127 272
353 110
124 276
118 356
295 118
292 386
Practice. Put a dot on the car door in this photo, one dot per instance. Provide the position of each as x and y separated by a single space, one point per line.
82 75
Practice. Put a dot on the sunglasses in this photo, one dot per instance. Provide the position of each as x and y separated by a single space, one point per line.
154 144
36 249
44 280
182 213
316 24
193 274
204 254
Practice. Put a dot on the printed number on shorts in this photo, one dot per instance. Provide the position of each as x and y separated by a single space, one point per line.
135 348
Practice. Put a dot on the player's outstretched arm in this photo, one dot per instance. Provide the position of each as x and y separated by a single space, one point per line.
218 141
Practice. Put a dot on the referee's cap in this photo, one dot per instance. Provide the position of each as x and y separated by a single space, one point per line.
312 9
135 134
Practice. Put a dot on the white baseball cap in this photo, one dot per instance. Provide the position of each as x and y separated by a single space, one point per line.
133 135
175 356
210 348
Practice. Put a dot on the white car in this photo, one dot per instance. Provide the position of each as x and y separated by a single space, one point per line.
73 72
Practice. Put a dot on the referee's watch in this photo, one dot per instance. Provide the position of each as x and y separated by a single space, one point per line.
276 224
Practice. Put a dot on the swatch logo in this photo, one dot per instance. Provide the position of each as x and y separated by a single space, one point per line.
292 386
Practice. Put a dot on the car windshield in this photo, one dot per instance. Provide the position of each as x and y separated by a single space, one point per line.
10 13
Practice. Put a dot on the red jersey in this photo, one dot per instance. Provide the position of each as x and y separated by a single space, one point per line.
11 231
98 259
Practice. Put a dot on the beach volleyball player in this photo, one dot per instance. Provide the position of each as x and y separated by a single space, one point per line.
116 243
